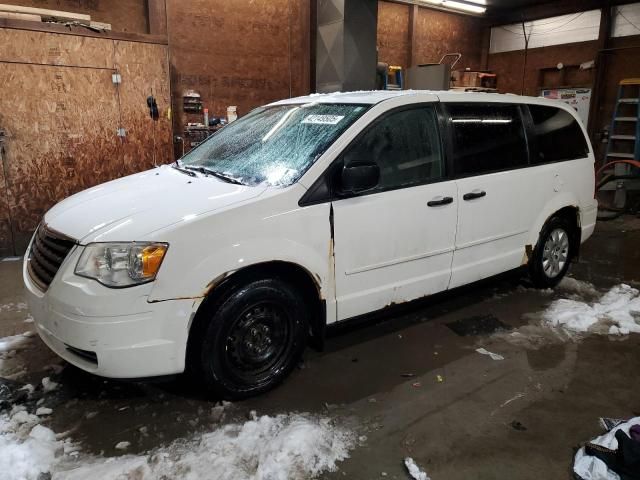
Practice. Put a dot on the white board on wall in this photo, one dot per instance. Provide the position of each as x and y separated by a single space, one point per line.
576 27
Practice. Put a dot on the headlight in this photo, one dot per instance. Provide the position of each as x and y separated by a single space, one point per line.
121 264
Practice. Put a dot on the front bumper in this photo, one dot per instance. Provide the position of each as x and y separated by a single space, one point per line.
114 333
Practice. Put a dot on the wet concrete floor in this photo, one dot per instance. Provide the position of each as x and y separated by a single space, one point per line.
406 381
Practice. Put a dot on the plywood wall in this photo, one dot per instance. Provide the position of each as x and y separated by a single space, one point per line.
394 42
238 53
123 15
62 114
436 33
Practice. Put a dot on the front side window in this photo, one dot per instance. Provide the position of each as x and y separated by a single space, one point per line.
486 138
405 145
558 135
272 145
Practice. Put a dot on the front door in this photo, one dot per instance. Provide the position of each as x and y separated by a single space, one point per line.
395 243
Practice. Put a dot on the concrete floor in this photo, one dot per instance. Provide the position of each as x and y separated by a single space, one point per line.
406 382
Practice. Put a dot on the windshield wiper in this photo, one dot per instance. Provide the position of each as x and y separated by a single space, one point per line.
208 171
182 170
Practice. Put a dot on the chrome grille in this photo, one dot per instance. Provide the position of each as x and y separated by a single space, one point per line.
48 251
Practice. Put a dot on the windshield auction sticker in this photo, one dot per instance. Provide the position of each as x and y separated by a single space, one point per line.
323 119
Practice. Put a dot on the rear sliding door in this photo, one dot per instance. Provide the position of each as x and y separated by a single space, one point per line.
498 197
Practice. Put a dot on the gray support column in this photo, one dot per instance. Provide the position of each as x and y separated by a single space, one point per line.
346 45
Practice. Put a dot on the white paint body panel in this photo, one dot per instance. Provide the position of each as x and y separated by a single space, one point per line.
388 247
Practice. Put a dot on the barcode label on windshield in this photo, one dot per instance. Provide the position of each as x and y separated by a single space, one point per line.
323 119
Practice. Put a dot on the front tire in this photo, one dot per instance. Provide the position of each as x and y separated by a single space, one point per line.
553 253
254 338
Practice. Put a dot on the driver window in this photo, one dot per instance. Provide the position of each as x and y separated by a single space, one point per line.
405 145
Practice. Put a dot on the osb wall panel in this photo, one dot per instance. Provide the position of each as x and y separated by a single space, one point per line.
61 120
145 71
60 136
123 15
440 32
6 243
508 66
36 47
394 42
237 53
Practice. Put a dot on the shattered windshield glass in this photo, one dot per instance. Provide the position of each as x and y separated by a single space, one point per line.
272 145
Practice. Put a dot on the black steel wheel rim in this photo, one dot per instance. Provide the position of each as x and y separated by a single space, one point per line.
259 343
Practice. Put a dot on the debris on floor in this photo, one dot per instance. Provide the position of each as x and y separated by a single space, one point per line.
494 356
612 456
478 325
414 470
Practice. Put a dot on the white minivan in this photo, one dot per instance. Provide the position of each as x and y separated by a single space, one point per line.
303 213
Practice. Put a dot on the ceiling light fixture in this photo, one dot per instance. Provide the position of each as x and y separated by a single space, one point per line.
466 7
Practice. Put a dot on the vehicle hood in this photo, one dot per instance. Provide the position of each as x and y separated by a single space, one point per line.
131 208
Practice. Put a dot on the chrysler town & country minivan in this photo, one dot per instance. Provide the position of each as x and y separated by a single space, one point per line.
303 213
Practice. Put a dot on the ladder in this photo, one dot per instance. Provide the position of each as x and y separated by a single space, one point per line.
625 126
624 140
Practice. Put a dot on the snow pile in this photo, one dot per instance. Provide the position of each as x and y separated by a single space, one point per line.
27 449
414 470
281 447
275 448
11 343
8 348
614 313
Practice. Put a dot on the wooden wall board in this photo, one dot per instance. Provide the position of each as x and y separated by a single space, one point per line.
47 13
62 119
441 32
123 15
6 239
237 53
144 70
53 49
21 16
394 43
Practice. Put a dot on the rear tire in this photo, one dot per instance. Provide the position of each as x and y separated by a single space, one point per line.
553 253
254 338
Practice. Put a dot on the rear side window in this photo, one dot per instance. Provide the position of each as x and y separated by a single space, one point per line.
487 138
406 146
558 134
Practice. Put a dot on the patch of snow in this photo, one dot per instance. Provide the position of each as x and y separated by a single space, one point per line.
11 343
123 445
49 385
592 468
282 447
27 449
43 411
494 356
612 314
13 307
414 470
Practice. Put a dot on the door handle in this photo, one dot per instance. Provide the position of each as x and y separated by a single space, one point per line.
441 201
473 195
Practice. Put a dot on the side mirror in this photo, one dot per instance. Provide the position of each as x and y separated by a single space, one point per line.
360 176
